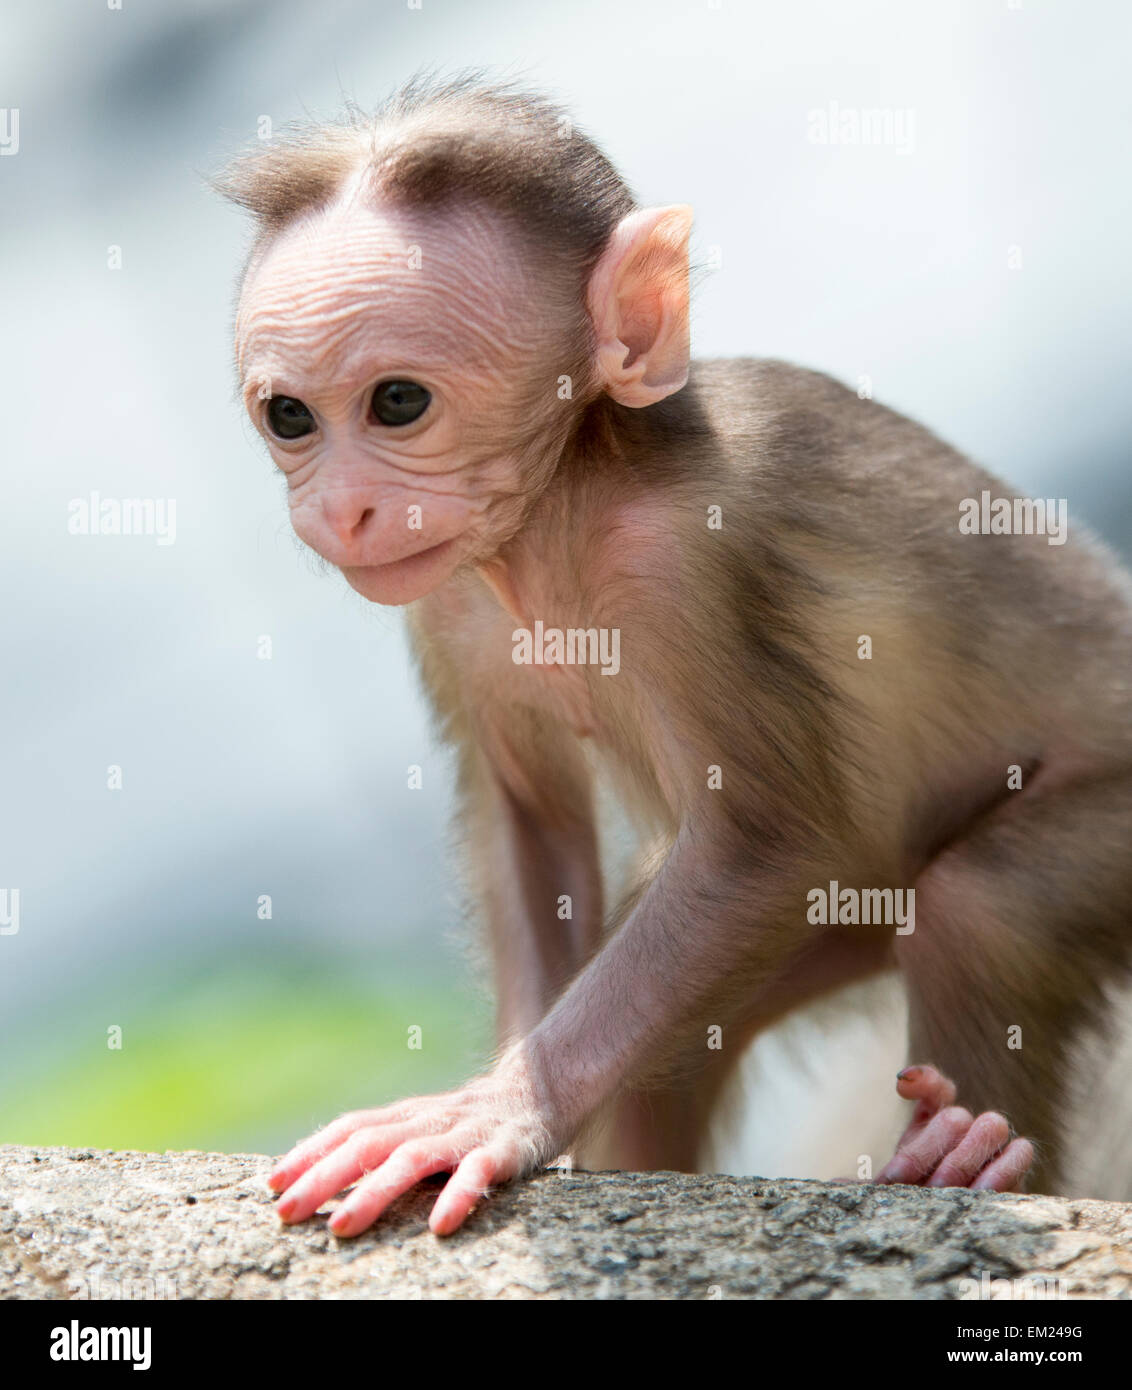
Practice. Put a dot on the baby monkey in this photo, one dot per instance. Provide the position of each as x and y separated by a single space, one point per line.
753 604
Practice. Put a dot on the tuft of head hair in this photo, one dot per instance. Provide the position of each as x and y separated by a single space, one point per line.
436 143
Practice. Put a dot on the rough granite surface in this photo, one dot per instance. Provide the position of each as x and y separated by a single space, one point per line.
81 1224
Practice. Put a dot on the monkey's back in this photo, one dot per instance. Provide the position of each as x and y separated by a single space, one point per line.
871 501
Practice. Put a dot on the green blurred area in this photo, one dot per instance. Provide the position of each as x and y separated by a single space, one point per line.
253 1059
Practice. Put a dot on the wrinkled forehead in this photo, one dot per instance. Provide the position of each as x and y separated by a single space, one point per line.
356 286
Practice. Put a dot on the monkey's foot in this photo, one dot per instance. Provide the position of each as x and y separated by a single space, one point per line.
946 1146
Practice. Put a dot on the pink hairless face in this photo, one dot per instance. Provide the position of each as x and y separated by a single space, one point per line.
383 392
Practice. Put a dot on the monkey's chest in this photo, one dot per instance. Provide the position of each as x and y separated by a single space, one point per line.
552 669
555 670
561 693
565 694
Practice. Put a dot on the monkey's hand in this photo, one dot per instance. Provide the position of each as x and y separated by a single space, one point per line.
486 1132
946 1146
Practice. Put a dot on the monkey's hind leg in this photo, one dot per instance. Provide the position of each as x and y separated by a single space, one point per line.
1020 926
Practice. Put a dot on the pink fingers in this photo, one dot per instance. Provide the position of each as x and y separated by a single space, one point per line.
987 1136
1005 1174
300 1158
917 1157
357 1155
944 1146
404 1169
931 1088
467 1187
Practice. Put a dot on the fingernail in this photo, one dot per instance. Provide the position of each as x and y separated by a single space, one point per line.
285 1207
339 1221
910 1074
897 1170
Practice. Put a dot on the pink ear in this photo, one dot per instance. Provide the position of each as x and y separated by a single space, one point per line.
638 303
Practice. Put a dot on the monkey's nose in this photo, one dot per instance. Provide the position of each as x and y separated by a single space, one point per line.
349 518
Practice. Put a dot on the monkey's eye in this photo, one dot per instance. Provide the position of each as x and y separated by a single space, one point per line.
288 417
399 402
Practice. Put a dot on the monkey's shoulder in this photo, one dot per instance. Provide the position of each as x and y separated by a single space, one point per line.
769 377
764 386
776 414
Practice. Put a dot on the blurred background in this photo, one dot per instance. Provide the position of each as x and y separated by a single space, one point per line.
965 263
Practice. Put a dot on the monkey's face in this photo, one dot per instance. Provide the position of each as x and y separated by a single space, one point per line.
394 366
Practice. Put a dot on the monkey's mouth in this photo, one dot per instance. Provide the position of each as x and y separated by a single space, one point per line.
430 552
401 581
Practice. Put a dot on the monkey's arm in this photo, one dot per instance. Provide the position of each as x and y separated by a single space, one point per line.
533 859
525 806
697 934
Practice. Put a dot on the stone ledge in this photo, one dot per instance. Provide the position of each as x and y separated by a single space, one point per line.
78 1223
